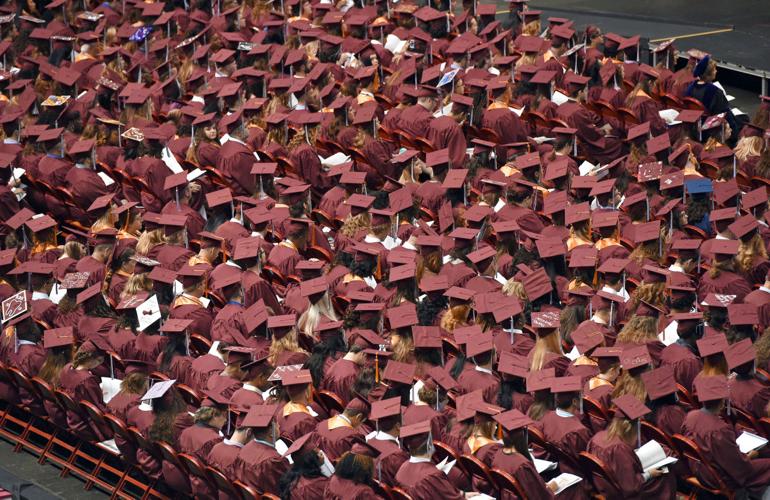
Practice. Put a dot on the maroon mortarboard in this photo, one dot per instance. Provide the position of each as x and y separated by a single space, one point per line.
711 388
743 226
754 198
723 191
604 219
413 430
402 272
176 325
220 197
555 202
528 160
100 203
584 182
513 420
637 131
718 300
385 408
455 179
671 180
58 337
578 213
543 77
482 254
298 377
743 314
712 344
40 223
260 416
583 256
659 382
722 214
740 353
313 287
89 293
551 247
50 134
430 284
479 344
531 44
401 373
647 231
428 14
635 357
426 337
283 321
81 146
513 364
587 336
724 249
629 406
402 316
221 56
650 171
566 384
459 293
537 284
540 380
557 169
436 158
689 115
545 320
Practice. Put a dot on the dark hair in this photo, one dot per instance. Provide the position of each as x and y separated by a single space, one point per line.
176 346
307 463
518 440
166 409
356 468
428 309
321 351
509 386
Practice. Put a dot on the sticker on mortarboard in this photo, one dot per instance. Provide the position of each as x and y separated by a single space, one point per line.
14 306
278 372
141 34
148 313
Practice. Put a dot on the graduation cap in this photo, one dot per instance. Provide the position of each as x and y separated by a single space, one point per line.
740 353
712 344
635 357
628 406
711 388
58 337
743 314
260 416
398 372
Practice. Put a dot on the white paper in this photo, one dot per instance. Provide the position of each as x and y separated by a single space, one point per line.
541 139
281 447
500 279
334 160
748 441
543 465
652 456
669 335
204 302
558 98
395 45
110 387
18 172
481 496
518 111
586 167
564 481
158 389
445 465
148 312
168 158
669 115
110 445
191 176
106 179
499 205
737 112
573 354
727 96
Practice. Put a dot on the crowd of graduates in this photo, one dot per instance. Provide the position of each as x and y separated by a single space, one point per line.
371 235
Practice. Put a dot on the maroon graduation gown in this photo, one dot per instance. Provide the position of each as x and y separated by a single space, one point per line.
310 488
340 377
389 460
228 326
571 436
295 425
234 162
29 359
423 481
726 283
202 368
445 132
335 442
716 440
415 414
201 317
255 288
246 397
415 120
749 395
80 385
260 466
626 468
471 380
222 457
669 418
345 489
284 258
198 441
525 474
685 363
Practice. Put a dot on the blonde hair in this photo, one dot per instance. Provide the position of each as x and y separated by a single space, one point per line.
136 283
288 343
355 223
106 221
312 315
621 428
515 289
749 146
547 344
629 384
455 317
638 330
532 28
748 250
148 240
403 349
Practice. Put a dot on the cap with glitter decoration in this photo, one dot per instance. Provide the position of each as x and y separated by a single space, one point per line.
711 388
713 344
650 171
629 406
718 300
635 357
548 320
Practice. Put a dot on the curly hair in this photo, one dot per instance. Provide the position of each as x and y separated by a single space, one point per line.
355 223
287 343
763 348
652 293
638 330
748 251
629 384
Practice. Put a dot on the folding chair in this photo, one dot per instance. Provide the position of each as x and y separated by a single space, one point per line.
601 477
246 491
506 482
477 469
224 485
331 402
689 449
397 493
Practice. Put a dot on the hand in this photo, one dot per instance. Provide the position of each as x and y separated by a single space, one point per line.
656 473
552 486
752 454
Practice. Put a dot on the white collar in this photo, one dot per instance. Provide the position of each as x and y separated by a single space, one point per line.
25 342
419 460
39 295
599 321
764 289
370 238
231 263
251 388
232 443
482 369
720 237
563 413
382 436
676 268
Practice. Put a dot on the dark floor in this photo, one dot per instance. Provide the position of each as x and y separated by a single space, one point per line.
25 478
